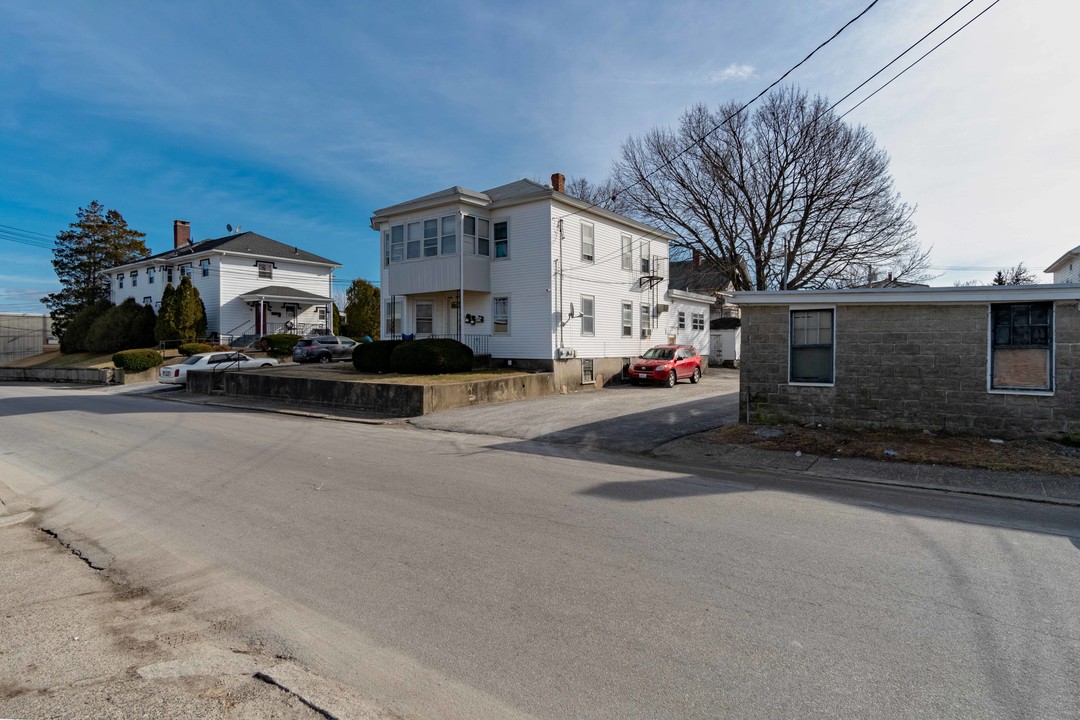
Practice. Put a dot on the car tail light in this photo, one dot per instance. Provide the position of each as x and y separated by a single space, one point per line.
176 372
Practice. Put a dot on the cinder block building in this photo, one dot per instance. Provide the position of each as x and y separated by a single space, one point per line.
1000 360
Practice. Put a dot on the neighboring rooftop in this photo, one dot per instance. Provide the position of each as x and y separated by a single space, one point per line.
1070 256
248 243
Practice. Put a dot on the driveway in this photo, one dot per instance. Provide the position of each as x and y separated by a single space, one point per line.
621 417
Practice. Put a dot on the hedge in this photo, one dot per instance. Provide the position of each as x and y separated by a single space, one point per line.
279 344
374 356
194 348
136 360
432 356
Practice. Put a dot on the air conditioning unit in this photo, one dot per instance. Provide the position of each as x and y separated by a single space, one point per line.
565 353
661 308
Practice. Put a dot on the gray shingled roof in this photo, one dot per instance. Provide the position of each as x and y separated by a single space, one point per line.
283 291
245 242
705 279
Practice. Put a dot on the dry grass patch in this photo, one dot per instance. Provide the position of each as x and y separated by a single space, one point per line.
70 360
1025 455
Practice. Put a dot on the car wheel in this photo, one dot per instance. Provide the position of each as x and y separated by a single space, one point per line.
267 365
672 379
696 376
324 359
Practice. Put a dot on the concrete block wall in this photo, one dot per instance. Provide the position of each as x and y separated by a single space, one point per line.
917 366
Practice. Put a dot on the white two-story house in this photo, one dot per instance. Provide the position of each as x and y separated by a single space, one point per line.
535 278
1066 269
251 285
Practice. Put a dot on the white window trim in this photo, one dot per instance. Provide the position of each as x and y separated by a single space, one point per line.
509 316
591 316
622 324
627 247
787 370
583 380
592 258
416 316
990 352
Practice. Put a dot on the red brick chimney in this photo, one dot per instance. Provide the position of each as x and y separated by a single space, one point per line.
181 233
558 182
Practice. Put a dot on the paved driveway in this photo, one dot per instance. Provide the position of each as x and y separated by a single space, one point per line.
621 417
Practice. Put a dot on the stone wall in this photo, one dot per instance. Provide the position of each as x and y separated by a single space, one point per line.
916 366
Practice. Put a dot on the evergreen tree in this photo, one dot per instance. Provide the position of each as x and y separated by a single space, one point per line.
200 320
100 239
123 327
188 311
78 326
362 310
337 319
165 327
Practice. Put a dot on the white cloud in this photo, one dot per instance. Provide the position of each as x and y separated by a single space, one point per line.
732 72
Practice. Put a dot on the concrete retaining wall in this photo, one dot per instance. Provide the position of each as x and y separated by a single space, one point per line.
391 399
88 376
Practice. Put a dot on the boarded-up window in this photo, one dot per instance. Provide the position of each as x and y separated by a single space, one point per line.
811 346
1021 340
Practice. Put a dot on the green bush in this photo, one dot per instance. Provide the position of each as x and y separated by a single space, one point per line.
189 349
74 337
374 356
136 360
124 327
432 356
279 344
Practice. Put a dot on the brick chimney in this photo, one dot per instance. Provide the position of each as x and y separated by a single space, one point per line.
181 233
558 182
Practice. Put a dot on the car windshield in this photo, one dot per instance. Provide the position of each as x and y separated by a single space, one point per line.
658 353
193 360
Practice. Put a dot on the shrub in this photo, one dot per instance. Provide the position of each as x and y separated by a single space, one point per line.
136 360
374 356
279 344
431 357
189 349
126 326
74 337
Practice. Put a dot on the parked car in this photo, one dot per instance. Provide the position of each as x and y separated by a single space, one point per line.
666 364
323 349
219 361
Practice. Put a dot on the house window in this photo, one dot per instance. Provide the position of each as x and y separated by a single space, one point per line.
483 237
148 300
266 270
412 244
431 238
587 376
502 239
150 276
386 247
627 252
1021 342
811 346
120 281
501 316
394 310
134 278
204 265
424 315
646 321
588 315
169 274
682 320
449 235
320 313
645 265
697 321
397 243
185 270
628 319
588 242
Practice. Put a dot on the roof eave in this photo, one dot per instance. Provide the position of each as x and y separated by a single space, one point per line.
908 296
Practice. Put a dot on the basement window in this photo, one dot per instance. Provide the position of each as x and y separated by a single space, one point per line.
587 377
1021 347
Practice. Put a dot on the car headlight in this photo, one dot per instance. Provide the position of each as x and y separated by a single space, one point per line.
661 368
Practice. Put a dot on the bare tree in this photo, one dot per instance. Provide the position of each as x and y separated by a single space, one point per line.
1018 275
603 195
785 197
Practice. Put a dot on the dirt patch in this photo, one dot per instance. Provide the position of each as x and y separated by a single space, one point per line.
345 372
1026 455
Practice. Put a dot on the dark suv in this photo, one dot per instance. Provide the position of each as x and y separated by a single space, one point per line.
323 349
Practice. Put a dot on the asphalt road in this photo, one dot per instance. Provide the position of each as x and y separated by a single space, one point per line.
453 575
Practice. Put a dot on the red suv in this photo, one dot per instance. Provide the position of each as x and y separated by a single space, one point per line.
666 364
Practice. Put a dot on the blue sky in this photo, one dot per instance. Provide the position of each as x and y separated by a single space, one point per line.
297 119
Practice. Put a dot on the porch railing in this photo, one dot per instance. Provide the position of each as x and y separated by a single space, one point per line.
478 343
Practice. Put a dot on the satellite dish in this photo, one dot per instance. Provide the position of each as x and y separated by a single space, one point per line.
228 227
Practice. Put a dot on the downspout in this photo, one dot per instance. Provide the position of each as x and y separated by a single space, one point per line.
461 276
330 310
560 282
